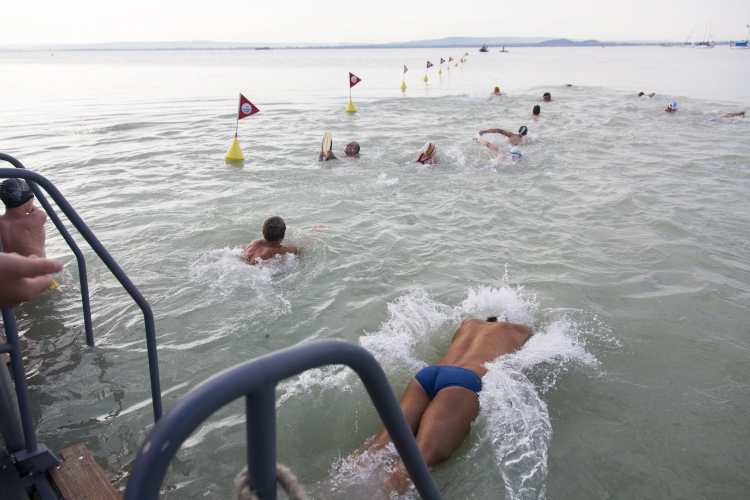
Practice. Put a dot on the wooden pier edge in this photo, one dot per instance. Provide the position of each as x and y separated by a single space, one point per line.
79 477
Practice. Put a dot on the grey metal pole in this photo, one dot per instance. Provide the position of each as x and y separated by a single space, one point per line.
260 407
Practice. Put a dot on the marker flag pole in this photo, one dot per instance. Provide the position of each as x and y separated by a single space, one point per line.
353 80
245 109
237 123
403 79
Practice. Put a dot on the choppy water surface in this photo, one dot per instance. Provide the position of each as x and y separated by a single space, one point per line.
621 237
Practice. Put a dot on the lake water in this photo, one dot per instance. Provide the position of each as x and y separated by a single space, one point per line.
622 236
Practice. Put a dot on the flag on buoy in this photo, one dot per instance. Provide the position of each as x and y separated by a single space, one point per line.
450 59
353 80
405 69
246 108
403 79
429 64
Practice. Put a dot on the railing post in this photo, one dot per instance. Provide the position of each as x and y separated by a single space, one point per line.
260 409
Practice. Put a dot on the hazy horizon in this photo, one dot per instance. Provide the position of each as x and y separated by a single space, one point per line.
294 22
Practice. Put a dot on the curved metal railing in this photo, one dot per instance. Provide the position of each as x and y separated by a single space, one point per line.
256 380
35 180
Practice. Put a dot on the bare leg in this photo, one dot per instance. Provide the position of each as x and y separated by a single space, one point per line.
413 404
444 426
499 153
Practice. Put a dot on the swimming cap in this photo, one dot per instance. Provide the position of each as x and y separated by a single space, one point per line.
640 94
15 192
428 149
497 89
515 151
672 105
523 130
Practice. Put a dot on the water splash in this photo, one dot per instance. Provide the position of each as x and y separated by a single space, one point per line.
385 181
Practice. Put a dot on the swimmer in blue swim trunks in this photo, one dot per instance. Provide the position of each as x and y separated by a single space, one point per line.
441 402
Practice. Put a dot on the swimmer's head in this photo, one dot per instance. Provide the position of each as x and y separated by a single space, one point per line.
352 149
491 319
547 97
15 192
673 106
515 152
640 94
496 90
428 149
537 110
274 229
523 130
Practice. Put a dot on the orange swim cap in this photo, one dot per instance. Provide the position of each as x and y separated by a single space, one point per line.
497 90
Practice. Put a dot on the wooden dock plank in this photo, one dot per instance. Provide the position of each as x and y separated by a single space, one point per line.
2 341
79 477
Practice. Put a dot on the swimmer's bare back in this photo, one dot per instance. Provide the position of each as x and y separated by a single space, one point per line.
477 342
264 250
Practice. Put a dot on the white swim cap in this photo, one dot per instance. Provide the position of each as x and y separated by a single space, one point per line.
428 148
673 105
515 151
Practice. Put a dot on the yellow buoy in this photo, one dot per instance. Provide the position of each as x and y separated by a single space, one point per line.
403 86
234 153
425 79
448 68
350 107
440 72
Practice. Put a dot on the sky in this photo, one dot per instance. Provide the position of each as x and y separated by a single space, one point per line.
382 21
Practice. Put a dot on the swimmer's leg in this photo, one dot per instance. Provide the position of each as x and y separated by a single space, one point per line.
413 404
496 150
443 427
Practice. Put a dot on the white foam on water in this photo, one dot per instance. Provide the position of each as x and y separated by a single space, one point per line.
385 181
223 271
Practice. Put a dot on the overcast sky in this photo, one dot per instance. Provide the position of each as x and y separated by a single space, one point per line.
352 21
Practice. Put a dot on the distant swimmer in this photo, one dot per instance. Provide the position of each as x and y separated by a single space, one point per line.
513 139
22 224
326 148
496 91
730 115
442 400
536 111
515 151
352 149
547 97
270 246
671 108
641 94
566 85
425 156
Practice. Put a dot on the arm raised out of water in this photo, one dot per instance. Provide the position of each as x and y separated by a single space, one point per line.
496 131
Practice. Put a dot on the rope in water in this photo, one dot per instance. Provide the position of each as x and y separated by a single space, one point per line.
283 475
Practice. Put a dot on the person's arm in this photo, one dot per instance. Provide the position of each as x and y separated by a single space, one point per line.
331 156
23 278
652 94
499 153
496 131
731 115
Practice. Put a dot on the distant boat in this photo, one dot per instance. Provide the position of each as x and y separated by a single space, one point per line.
503 50
707 43
742 45
484 48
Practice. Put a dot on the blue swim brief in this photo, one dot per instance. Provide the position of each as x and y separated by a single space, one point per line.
435 378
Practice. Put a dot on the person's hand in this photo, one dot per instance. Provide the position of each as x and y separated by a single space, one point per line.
481 133
23 278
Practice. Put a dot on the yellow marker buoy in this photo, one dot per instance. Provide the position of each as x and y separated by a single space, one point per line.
350 107
448 68
425 79
403 86
440 72
234 153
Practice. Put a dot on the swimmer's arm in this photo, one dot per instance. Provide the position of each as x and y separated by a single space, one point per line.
497 151
652 94
730 115
495 131
331 156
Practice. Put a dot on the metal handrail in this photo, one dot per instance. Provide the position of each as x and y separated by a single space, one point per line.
71 243
256 380
93 241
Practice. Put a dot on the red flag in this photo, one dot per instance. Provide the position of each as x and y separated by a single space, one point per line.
405 68
246 108
429 64
450 59
353 80
442 60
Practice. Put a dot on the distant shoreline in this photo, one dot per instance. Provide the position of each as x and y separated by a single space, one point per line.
443 43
